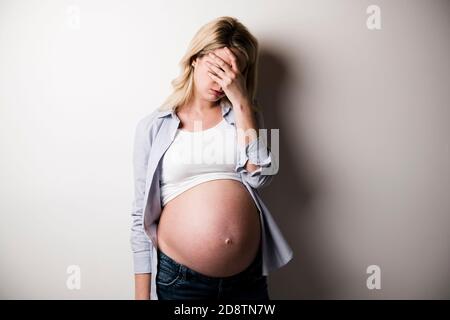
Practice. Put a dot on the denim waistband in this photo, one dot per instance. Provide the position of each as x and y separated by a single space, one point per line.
253 268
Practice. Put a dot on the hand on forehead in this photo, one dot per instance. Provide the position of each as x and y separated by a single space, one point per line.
221 52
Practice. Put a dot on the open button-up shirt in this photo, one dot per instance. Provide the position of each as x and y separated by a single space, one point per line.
153 135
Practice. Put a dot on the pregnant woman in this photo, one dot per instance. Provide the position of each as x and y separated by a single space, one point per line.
200 229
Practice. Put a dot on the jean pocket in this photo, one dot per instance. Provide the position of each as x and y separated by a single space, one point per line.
168 276
259 279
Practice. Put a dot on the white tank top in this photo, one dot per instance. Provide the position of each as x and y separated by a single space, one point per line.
198 156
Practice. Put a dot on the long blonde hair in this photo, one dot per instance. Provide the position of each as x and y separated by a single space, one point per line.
220 32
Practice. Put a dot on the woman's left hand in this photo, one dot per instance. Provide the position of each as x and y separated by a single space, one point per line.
228 76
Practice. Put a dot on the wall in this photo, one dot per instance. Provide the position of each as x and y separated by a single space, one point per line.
364 125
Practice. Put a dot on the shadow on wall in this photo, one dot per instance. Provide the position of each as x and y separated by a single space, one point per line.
291 195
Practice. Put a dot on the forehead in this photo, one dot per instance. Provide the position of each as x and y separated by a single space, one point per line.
241 60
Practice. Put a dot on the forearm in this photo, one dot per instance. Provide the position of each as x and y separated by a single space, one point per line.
142 283
245 123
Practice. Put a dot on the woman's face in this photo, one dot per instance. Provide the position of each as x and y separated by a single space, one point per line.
203 83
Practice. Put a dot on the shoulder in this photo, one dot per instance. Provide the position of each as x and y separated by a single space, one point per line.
149 121
147 127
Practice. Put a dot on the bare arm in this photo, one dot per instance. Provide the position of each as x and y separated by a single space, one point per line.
253 151
142 286
245 120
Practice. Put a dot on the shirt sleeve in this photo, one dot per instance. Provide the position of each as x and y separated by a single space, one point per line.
258 153
140 243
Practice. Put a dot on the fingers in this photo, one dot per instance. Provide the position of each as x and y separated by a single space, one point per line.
232 57
214 68
214 77
219 61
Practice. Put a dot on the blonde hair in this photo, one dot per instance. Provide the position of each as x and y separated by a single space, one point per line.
218 33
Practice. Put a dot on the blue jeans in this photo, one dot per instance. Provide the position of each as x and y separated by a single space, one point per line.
175 281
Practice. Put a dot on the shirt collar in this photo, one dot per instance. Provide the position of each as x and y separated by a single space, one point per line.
225 105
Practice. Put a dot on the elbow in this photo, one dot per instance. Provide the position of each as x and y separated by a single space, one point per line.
257 182
261 177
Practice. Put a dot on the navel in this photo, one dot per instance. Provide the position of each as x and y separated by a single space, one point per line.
227 240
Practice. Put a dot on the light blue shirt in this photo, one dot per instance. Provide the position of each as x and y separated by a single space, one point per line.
153 135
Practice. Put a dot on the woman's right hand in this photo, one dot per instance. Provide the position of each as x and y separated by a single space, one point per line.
142 286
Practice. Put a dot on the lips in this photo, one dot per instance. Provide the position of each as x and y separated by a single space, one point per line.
217 93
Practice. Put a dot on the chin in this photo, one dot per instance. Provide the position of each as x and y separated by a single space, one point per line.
211 97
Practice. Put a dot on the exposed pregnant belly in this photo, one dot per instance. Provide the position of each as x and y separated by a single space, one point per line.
212 228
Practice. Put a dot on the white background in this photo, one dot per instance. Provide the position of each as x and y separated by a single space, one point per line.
364 125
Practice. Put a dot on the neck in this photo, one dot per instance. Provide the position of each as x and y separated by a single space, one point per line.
200 106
